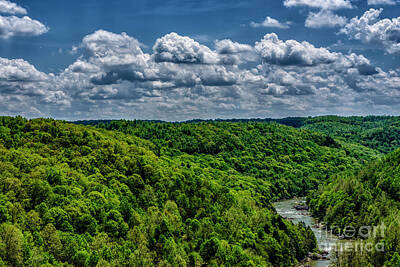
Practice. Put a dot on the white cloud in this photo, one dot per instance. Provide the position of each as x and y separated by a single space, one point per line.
231 53
113 77
18 70
11 26
8 7
14 26
84 67
324 19
115 67
274 51
370 30
227 47
271 23
278 52
107 44
381 2
117 56
191 89
182 49
321 4
21 81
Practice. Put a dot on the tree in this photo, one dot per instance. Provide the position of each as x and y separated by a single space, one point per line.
13 241
51 239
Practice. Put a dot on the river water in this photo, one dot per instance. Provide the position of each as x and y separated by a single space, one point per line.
326 241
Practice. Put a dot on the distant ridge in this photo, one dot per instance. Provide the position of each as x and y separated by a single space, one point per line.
296 122
381 133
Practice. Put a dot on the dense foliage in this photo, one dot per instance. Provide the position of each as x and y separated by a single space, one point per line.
370 197
381 133
133 193
76 195
285 162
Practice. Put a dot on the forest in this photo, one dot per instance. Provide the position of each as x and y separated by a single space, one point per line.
381 133
199 193
369 197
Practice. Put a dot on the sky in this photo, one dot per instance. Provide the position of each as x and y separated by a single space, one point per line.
178 60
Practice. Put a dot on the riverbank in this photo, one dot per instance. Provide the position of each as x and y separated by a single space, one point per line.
325 240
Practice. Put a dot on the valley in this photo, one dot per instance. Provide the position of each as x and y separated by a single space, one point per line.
108 193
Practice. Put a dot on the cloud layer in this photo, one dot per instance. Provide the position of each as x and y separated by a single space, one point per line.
183 79
324 19
381 2
370 30
180 49
11 26
14 26
7 7
321 4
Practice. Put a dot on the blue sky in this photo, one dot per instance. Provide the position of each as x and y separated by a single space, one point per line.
98 59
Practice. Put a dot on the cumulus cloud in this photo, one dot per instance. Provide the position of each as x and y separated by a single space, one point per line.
324 19
21 81
182 49
114 66
113 57
84 67
271 23
18 70
227 47
7 7
321 4
278 52
14 26
114 77
231 53
370 30
11 26
107 44
290 52
301 70
381 2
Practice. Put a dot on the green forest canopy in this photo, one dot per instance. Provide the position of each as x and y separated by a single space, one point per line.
370 197
166 194
89 197
288 161
78 195
381 133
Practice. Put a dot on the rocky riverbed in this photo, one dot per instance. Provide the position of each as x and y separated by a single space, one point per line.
296 211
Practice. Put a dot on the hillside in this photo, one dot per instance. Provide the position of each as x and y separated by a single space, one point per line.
284 161
161 194
89 197
380 133
371 197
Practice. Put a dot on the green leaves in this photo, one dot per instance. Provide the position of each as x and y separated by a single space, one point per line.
192 194
11 244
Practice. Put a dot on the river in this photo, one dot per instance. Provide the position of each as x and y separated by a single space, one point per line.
325 240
